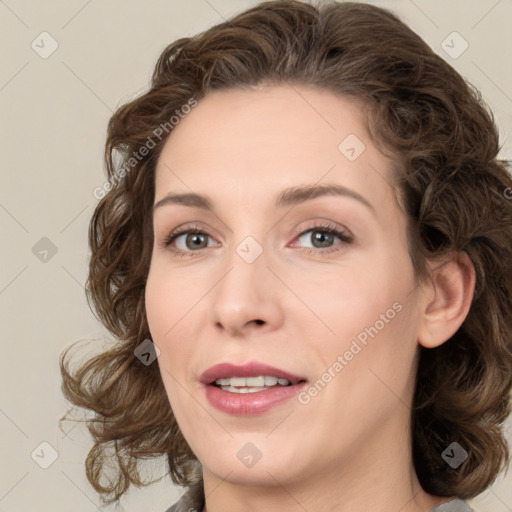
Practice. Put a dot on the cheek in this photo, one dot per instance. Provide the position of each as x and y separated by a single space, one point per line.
163 305
369 310
170 299
376 339
169 294
156 301
354 297
370 369
160 303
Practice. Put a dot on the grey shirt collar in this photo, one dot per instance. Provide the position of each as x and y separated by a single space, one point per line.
193 501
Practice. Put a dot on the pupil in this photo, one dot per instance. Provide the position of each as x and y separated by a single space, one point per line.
322 237
196 239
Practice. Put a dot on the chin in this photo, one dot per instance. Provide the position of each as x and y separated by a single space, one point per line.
258 476
244 467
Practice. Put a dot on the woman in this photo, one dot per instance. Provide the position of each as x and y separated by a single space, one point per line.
305 253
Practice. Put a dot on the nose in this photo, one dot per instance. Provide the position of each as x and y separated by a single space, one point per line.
247 299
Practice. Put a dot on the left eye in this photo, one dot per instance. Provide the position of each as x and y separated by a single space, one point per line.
322 238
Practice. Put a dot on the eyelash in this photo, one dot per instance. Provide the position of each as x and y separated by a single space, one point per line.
323 228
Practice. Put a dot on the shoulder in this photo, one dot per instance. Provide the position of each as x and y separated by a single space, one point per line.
191 501
455 505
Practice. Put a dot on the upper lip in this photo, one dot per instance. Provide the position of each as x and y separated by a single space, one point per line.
252 369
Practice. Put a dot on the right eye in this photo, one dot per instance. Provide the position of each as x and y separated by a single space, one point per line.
187 240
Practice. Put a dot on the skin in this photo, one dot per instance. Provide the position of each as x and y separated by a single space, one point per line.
348 449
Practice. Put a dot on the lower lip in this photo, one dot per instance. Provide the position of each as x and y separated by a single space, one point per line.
249 404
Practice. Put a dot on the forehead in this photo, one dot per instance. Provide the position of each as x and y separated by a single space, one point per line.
247 143
278 116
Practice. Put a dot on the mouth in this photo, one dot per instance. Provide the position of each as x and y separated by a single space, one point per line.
251 384
251 389
252 377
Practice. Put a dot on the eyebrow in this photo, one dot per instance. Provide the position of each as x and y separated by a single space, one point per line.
288 197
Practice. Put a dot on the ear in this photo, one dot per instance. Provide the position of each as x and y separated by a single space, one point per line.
449 295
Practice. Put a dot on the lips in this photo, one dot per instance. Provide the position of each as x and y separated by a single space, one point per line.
257 402
252 369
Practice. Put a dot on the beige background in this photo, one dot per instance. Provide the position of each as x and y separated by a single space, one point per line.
54 113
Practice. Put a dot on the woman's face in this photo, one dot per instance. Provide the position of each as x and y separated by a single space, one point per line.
257 275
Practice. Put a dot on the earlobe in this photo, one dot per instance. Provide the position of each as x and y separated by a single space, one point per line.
453 286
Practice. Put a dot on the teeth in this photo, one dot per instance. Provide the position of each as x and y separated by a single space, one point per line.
233 389
252 382
237 381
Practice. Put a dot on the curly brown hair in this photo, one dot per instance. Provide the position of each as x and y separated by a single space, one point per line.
453 189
